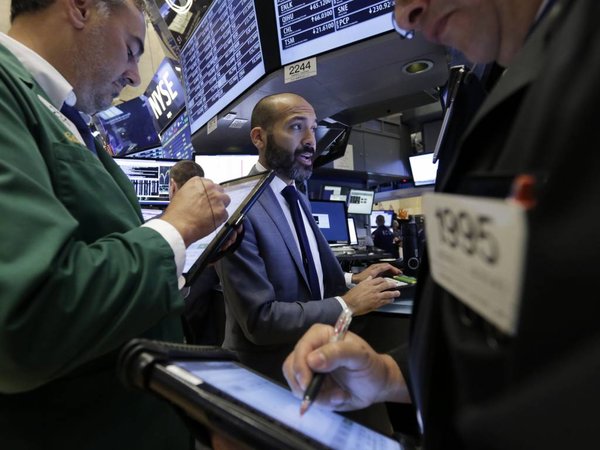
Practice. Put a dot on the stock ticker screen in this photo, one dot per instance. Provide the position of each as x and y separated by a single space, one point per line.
221 59
307 28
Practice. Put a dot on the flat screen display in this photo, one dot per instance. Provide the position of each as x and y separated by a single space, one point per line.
176 139
221 59
127 127
424 170
360 202
165 95
329 192
388 215
221 168
352 231
306 27
332 220
150 178
149 153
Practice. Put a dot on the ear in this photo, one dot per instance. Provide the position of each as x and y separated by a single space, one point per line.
258 137
79 12
172 188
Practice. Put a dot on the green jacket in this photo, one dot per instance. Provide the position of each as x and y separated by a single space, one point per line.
78 278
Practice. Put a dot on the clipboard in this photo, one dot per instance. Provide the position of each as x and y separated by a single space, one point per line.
217 392
243 192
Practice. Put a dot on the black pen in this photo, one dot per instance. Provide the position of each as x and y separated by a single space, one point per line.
339 331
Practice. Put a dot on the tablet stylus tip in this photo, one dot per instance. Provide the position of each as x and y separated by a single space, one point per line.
304 407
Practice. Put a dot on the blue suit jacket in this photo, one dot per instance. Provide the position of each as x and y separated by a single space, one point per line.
266 291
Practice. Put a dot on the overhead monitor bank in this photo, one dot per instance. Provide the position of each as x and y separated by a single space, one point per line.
238 42
232 53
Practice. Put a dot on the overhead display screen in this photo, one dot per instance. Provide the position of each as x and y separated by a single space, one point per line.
306 27
176 139
165 94
221 59
127 127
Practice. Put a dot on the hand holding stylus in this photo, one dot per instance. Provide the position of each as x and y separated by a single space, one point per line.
339 331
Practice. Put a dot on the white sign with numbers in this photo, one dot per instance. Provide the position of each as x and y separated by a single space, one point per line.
300 70
476 249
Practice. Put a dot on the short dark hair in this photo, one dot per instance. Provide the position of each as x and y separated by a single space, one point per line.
18 7
184 170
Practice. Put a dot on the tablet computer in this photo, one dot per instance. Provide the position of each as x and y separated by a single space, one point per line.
243 193
227 397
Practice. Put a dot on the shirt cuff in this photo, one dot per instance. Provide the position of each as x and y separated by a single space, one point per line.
348 279
174 239
342 302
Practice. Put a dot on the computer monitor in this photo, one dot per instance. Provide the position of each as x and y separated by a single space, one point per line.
127 127
352 231
221 168
360 201
177 139
388 216
221 59
306 29
424 170
150 178
332 220
330 192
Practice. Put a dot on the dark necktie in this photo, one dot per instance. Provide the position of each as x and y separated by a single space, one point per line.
291 195
74 116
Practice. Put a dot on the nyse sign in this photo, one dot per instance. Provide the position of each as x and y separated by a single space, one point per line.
162 97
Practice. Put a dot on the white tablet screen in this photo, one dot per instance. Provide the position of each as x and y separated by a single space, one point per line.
329 428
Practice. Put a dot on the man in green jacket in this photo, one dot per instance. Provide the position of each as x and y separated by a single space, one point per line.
79 273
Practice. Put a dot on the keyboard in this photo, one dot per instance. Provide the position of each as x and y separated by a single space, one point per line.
345 249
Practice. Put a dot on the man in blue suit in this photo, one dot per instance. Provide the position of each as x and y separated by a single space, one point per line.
266 289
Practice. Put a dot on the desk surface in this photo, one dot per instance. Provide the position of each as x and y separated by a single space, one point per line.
400 306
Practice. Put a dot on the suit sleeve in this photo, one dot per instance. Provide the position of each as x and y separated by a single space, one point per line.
264 291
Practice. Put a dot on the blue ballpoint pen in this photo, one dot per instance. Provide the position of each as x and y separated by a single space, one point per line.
339 331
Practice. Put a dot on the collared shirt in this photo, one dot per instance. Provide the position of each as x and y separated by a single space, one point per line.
60 91
277 185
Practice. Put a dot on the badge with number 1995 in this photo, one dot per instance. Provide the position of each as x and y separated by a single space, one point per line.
476 248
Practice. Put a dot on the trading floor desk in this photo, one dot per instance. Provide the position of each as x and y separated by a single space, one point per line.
387 327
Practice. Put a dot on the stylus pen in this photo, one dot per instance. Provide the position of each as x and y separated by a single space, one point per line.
339 331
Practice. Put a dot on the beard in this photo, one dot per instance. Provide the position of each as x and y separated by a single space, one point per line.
285 164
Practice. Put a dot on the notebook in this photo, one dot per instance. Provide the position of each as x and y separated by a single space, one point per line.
243 192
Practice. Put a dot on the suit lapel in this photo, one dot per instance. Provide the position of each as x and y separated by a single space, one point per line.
272 208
